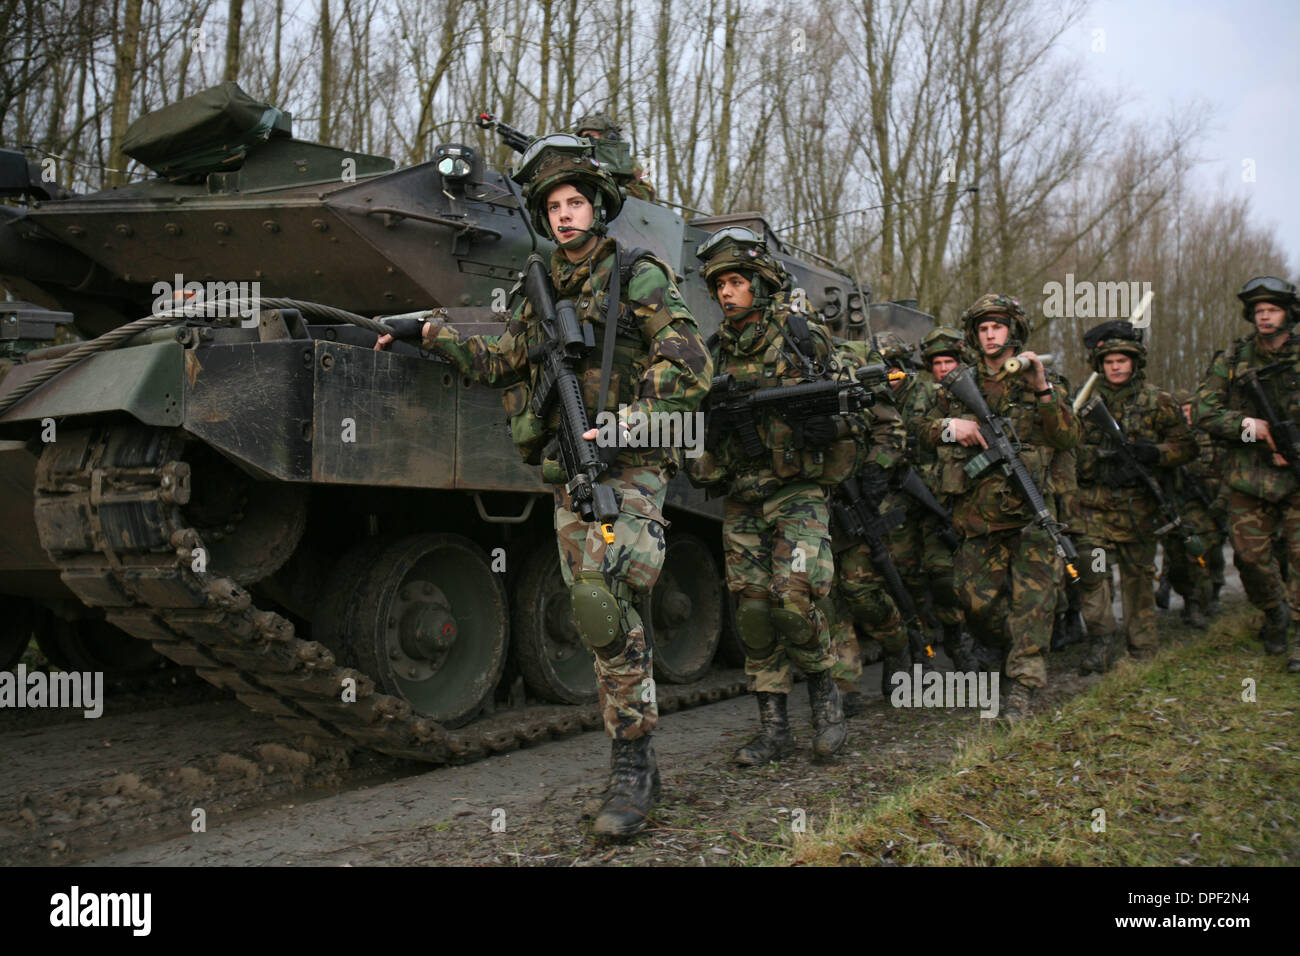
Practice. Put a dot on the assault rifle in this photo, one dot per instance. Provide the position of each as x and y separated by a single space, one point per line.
1095 411
860 517
1192 485
960 383
515 139
567 341
911 485
736 408
1286 433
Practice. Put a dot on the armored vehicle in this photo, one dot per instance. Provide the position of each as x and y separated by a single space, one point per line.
221 470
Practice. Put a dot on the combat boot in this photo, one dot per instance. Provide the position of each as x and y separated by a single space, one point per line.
1015 705
1273 633
892 664
853 702
1162 592
632 791
827 716
1213 607
1099 658
958 645
1293 665
774 740
1193 615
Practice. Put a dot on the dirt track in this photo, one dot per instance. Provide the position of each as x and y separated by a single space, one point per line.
123 789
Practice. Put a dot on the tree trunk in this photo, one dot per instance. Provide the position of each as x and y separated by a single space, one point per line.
123 74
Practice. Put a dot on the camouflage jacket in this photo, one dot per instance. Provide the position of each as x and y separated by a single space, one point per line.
990 501
1222 404
760 352
660 365
1115 504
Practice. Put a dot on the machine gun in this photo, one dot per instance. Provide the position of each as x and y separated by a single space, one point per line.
860 517
1286 433
515 139
567 341
960 383
1095 411
736 408
911 485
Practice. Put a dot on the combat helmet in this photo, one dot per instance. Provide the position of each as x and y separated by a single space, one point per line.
944 340
1269 289
560 158
599 123
895 349
739 249
1114 336
994 305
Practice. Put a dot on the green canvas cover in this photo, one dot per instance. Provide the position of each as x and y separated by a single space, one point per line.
209 131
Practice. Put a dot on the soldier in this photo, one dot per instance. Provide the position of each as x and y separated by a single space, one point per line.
862 600
615 152
1203 510
775 532
1118 515
1006 568
660 365
1263 488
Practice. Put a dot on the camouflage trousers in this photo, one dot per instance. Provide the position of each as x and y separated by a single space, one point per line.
630 565
1008 582
779 550
1188 576
1251 525
1136 561
862 597
925 565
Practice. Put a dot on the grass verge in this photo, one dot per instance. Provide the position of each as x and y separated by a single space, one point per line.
1192 758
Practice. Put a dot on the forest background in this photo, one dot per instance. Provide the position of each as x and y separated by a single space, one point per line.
942 148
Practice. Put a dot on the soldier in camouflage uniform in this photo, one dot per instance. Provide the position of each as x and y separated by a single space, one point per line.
616 154
660 365
1118 515
1006 569
1263 491
861 596
775 529
1204 512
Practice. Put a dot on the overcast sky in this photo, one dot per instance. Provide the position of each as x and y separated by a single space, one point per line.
1243 59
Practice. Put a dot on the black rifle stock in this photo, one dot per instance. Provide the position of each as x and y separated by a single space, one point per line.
735 408
1095 411
860 517
911 485
515 139
1286 433
960 383
567 341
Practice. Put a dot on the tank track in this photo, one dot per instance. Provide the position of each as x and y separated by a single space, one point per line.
108 509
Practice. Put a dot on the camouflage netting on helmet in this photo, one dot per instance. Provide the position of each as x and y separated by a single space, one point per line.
944 340
737 249
1111 337
1269 289
895 349
558 159
995 306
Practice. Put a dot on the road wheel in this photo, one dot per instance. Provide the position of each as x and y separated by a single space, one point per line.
556 665
687 611
428 623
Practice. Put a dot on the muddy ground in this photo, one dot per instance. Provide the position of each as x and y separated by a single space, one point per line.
124 789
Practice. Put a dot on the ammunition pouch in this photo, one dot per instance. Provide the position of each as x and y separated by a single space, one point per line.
527 431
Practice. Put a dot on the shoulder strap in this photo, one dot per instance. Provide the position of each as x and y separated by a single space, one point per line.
612 301
801 337
627 258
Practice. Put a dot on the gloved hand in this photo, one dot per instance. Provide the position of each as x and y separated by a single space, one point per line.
819 432
1145 451
406 330
873 481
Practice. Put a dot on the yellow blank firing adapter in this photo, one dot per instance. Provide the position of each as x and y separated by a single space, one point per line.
1070 569
607 532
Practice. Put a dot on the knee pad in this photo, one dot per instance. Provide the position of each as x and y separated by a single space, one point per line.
754 625
596 611
793 622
